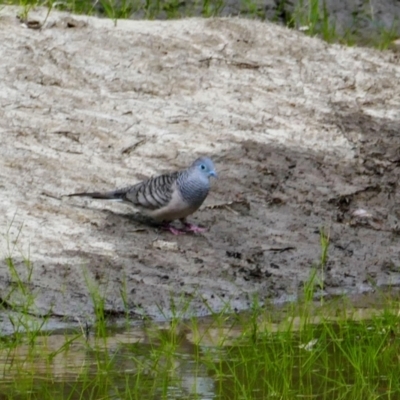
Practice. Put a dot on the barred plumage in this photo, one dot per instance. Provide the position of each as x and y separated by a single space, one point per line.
167 197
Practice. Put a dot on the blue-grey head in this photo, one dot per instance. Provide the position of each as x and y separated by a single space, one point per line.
205 166
194 182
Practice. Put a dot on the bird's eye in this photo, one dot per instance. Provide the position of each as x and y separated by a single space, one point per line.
203 167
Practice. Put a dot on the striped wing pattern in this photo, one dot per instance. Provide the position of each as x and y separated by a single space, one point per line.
153 193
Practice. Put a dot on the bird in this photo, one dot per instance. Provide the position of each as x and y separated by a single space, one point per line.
167 197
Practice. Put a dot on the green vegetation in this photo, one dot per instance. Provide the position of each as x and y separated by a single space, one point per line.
310 16
325 350
300 350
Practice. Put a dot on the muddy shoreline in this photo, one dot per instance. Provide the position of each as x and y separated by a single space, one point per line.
304 136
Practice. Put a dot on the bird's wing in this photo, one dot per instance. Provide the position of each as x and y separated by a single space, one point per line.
153 193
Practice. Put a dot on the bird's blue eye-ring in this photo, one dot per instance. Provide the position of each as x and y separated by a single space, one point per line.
203 167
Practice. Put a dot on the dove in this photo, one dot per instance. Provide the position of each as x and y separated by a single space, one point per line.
167 197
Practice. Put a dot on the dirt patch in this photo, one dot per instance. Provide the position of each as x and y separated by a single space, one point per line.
303 134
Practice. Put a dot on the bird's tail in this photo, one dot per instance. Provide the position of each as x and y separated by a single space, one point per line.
116 195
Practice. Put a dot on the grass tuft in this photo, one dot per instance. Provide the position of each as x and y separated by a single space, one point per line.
310 16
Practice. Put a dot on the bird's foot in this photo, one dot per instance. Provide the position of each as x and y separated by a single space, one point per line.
186 229
194 228
174 231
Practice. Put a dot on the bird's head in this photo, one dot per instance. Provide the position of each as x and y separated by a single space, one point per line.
205 166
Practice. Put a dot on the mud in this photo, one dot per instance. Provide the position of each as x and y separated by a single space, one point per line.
305 137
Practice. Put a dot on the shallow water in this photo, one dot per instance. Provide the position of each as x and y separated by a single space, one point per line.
276 356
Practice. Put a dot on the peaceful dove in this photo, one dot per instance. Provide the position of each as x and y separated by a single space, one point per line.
169 196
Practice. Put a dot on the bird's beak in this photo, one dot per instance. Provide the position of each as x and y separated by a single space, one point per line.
214 174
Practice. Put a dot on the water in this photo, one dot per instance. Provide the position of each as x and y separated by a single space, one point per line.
298 354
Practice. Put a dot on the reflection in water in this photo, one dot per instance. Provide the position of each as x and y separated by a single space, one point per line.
212 360
168 372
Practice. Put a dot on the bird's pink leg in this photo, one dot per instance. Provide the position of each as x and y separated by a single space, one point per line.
192 228
174 231
187 228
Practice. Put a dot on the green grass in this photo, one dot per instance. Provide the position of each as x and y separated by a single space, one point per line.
310 16
255 355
